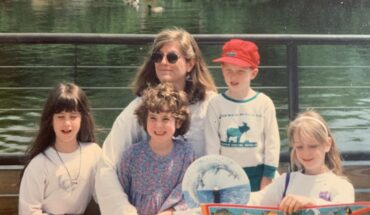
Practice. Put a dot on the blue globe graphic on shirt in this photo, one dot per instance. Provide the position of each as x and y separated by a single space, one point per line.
215 179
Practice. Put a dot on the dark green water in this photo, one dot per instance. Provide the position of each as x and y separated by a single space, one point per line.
345 69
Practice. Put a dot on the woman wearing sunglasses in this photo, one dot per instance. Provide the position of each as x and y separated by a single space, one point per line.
176 58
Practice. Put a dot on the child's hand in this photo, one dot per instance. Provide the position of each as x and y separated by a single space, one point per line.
166 212
292 203
264 182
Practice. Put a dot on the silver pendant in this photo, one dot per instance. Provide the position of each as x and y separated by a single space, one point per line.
74 182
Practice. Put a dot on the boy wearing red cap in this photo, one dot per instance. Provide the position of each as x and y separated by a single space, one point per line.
241 122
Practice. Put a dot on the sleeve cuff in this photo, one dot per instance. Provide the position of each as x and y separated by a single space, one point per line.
269 171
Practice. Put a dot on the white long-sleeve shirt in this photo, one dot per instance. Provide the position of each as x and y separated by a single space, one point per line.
126 131
46 186
246 131
326 188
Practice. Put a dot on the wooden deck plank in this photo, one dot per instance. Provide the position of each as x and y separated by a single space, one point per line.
9 205
362 196
9 181
358 175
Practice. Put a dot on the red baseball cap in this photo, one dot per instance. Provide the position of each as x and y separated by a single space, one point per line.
241 53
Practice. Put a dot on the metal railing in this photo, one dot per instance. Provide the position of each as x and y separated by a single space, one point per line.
291 42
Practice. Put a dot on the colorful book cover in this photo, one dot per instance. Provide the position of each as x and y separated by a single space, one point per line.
235 209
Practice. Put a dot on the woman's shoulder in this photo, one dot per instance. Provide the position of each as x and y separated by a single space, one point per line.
130 108
211 94
200 107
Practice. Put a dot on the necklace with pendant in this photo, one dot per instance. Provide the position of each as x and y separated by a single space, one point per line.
74 181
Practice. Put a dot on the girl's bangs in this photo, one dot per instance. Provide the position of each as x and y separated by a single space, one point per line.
66 104
308 131
160 107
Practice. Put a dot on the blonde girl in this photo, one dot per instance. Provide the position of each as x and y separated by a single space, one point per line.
58 177
317 170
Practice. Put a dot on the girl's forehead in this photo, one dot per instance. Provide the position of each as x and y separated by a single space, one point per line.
68 111
304 138
160 112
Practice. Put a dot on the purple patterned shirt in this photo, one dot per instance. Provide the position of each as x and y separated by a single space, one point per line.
153 182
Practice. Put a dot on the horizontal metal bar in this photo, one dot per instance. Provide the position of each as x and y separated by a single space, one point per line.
333 67
75 38
259 87
221 88
260 67
35 67
362 190
39 109
136 66
278 108
67 67
336 108
105 67
35 129
335 87
9 195
91 38
48 88
281 39
120 88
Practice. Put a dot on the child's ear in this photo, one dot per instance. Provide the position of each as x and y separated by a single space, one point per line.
329 144
178 123
254 73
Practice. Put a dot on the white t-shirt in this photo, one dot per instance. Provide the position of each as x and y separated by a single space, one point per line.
46 185
326 188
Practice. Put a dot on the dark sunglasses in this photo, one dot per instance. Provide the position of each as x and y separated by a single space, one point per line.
172 57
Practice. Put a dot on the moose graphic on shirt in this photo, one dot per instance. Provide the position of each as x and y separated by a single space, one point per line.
234 134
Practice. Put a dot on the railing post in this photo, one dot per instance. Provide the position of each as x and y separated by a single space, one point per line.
75 65
293 85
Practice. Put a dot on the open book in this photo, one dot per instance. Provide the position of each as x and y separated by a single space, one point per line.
234 209
213 182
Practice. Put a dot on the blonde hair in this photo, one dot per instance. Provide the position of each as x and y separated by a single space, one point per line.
311 124
200 80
